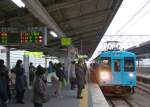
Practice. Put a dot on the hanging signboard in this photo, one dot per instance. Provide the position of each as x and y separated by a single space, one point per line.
23 36
33 54
82 56
66 41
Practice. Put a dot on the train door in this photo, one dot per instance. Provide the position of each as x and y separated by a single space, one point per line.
129 71
117 71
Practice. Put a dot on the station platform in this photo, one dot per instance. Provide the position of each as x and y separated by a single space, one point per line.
92 97
143 75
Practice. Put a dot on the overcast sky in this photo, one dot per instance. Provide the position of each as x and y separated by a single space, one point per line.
140 25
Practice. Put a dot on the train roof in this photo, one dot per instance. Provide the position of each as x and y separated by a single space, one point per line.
120 53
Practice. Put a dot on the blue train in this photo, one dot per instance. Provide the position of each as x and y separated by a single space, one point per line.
117 71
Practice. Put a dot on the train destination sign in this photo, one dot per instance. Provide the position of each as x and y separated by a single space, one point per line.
21 38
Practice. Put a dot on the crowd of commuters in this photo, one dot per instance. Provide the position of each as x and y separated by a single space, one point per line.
38 81
5 80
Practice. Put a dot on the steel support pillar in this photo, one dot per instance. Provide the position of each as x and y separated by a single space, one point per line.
8 58
26 67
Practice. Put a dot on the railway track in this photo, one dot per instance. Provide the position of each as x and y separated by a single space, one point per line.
143 90
143 87
119 102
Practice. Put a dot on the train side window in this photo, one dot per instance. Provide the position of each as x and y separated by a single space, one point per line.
129 64
105 60
117 65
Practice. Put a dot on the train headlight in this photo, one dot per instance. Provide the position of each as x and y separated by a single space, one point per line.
105 75
131 75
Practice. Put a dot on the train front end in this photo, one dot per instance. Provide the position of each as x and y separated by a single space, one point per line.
117 72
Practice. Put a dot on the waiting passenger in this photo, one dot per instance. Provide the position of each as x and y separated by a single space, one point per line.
80 78
40 89
50 67
55 85
3 84
31 73
85 71
61 76
72 75
50 70
20 82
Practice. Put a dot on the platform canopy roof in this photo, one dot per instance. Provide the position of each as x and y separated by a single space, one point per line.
85 21
142 50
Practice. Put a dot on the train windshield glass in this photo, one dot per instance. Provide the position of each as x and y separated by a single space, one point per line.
117 65
105 60
129 64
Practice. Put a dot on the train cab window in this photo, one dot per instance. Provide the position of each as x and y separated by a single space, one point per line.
129 64
117 65
105 60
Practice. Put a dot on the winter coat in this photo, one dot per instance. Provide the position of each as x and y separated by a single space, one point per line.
79 75
72 71
40 90
50 68
84 68
3 83
20 79
31 72
60 74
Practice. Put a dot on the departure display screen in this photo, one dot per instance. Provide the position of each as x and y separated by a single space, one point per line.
21 38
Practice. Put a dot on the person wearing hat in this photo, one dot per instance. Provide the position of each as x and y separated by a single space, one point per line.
40 89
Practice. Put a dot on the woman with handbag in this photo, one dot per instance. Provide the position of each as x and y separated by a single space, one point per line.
40 89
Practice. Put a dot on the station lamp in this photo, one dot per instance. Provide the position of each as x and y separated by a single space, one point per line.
19 3
53 34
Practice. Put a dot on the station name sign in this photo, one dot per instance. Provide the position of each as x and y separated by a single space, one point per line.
66 41
21 38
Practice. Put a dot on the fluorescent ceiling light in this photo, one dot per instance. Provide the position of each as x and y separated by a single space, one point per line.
19 3
53 34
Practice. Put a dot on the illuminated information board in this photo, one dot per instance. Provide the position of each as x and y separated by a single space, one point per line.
21 38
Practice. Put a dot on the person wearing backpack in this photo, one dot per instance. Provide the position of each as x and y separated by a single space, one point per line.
40 89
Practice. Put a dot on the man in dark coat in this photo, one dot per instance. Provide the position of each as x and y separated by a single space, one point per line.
20 82
3 84
31 73
61 76
60 72
80 78
85 71
72 75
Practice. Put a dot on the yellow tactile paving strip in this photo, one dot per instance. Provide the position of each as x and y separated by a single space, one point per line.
84 101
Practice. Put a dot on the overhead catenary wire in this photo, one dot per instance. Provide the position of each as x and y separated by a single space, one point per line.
138 20
133 16
127 22
129 35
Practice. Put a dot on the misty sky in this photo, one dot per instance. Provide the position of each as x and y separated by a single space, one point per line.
140 25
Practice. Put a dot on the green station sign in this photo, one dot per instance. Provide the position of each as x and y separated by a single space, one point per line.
66 41
33 54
